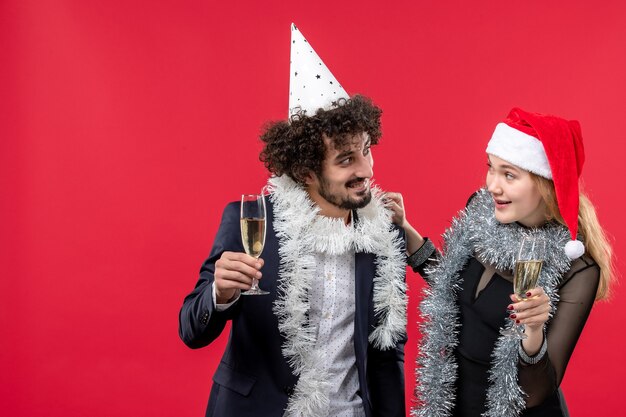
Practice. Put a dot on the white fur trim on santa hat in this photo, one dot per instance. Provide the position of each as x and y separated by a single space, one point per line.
574 249
520 149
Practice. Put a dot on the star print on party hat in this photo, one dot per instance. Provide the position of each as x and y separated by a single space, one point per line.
550 147
311 84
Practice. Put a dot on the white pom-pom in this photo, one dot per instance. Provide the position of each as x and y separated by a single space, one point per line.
574 249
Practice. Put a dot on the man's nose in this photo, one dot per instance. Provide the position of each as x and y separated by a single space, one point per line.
365 167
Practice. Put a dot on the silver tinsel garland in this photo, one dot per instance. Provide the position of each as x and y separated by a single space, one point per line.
476 232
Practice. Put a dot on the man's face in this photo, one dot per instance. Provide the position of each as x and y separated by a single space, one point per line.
345 180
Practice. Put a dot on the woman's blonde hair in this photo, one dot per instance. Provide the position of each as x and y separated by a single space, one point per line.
594 237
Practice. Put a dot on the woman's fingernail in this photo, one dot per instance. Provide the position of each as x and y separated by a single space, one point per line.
510 307
516 321
528 294
512 316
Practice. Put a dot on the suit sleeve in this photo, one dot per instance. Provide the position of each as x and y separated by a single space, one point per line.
199 321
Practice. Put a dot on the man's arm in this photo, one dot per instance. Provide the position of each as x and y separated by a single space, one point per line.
223 274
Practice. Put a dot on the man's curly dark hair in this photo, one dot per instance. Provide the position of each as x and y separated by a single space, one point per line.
297 147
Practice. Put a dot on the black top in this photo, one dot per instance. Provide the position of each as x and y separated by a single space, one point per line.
483 300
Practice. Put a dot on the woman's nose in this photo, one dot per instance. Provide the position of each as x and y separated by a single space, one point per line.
493 186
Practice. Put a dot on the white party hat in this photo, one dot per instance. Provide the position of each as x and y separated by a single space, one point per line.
311 84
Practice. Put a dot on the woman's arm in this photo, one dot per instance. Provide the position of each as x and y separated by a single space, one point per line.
577 295
420 250
413 239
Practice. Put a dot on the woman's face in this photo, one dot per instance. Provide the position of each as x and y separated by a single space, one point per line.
516 196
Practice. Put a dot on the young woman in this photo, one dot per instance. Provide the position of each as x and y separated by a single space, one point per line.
466 367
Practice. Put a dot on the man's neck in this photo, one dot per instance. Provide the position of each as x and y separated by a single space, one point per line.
330 210
336 213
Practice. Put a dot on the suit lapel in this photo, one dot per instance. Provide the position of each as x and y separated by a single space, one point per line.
363 275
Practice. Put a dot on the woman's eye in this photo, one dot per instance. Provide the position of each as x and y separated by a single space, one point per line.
509 176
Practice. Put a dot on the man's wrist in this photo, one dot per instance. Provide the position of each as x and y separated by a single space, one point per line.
219 304
220 298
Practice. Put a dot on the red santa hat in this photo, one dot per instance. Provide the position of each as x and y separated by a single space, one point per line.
550 147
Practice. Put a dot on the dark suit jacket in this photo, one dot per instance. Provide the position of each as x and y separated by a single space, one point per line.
253 378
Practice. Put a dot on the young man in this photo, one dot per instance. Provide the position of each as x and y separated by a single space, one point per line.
329 338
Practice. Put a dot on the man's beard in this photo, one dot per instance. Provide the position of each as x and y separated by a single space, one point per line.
346 202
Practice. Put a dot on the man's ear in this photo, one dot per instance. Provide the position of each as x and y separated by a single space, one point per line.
305 178
309 178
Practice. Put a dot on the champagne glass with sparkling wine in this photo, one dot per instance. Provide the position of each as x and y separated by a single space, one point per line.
252 221
527 269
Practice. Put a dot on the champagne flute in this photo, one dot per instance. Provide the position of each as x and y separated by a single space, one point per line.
252 222
527 269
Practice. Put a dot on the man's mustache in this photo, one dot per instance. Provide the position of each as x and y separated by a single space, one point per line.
354 181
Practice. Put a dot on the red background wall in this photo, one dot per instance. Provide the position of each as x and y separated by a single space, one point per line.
126 126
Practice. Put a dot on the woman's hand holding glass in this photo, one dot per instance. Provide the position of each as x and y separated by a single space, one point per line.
529 300
533 311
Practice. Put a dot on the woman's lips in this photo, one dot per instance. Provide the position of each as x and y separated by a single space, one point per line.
500 204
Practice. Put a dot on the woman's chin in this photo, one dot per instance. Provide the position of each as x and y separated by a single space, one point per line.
503 218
